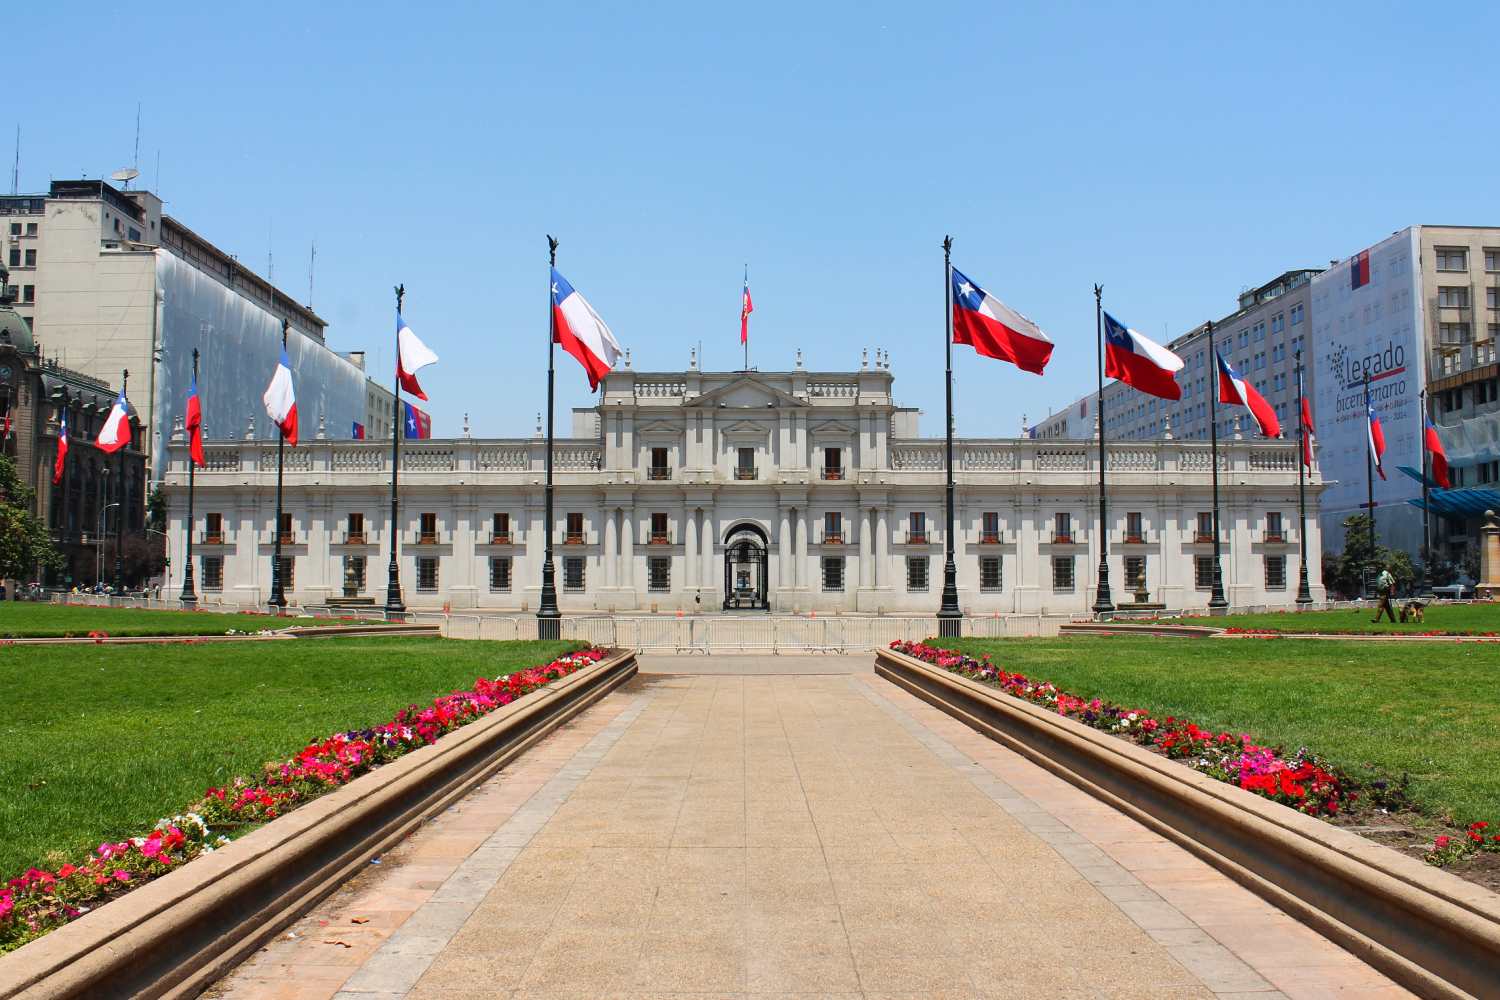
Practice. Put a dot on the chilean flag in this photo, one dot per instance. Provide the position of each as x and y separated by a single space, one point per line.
359 431
1139 361
281 400
411 355
195 424
746 308
1307 436
62 450
1234 389
1434 445
994 329
581 332
1377 441
418 424
1359 269
115 434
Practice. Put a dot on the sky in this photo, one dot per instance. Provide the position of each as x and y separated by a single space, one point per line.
1174 153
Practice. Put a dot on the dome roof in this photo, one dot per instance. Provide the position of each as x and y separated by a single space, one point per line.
15 331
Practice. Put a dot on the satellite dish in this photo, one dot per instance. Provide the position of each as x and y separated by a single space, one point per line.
125 176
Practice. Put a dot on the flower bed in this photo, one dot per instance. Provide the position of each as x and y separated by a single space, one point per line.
1300 780
41 900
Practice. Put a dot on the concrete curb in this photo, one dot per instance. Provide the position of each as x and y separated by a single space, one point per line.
176 935
295 632
1123 628
1434 933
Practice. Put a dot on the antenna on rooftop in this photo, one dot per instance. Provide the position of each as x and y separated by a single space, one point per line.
312 260
125 175
15 171
135 161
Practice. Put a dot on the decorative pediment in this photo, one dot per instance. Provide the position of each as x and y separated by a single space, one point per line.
745 392
658 428
831 428
745 429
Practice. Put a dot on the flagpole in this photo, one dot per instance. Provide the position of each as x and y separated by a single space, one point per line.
1369 489
278 597
1216 602
1103 606
1304 590
394 607
188 596
548 617
120 496
742 310
950 617
1424 583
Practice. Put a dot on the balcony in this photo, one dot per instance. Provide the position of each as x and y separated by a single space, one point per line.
211 538
1063 538
1274 537
659 473
832 538
743 473
659 538
833 473
1203 537
916 538
989 538
428 538
573 538
355 538
500 538
1134 538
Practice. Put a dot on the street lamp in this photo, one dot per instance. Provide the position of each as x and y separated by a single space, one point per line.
103 540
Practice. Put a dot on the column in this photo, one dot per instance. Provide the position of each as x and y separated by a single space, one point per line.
785 571
690 549
707 578
610 545
802 569
882 547
627 548
866 550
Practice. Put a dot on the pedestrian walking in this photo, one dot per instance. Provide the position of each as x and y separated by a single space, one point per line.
1385 592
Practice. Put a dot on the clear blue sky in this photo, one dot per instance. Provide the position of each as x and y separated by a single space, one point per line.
1174 153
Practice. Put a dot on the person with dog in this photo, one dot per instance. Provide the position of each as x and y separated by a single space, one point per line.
1385 592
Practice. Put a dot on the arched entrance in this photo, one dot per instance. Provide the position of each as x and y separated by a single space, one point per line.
746 550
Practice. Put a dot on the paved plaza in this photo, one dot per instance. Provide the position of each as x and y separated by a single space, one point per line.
764 833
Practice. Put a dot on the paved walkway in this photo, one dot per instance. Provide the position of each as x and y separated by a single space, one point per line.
816 836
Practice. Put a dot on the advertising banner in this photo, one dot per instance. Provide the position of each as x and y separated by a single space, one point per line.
1367 323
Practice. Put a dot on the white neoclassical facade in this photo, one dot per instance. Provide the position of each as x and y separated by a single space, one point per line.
788 491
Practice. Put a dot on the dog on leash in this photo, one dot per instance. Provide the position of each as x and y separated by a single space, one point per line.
1412 611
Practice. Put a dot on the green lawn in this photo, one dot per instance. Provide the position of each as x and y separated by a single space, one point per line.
99 742
26 619
1455 618
1428 710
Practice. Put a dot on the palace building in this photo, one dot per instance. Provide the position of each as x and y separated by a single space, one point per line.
782 491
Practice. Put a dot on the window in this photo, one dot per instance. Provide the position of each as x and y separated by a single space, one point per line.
659 574
1062 527
1259 331
428 531
1273 526
1062 574
1275 572
28 293
833 573
989 530
1453 334
574 535
659 534
1452 259
1492 298
427 573
1134 532
833 528
573 573
659 468
1244 339
1278 322
1491 259
213 529
284 529
354 575
287 573
500 530
500 573
833 463
916 573
356 529
15 256
31 258
15 229
1453 296
917 528
31 229
744 467
1135 573
1203 572
989 574
213 572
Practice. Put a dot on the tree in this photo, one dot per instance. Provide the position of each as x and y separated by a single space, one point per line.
25 546
1348 571
156 509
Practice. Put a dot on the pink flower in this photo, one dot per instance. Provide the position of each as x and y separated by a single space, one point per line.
123 876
